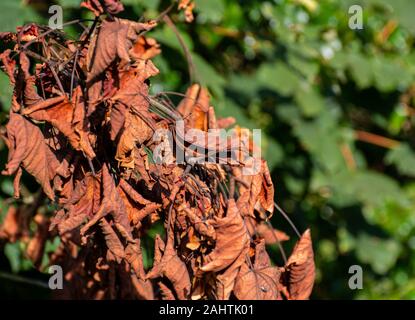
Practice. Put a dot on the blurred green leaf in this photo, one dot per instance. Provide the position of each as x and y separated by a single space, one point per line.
211 11
403 157
13 253
379 253
17 14
6 91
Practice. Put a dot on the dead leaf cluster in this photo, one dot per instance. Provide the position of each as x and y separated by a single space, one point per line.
81 123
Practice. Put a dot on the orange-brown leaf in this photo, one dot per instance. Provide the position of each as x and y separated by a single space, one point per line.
145 48
111 204
271 235
195 107
113 40
66 116
143 288
171 267
258 281
111 239
257 284
187 6
28 148
99 7
225 281
166 292
300 269
36 245
11 225
231 239
134 257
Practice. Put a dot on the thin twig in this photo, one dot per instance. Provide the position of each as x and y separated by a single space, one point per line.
277 240
376 139
188 55
287 218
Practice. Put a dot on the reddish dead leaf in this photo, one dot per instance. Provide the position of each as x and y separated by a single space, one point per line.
9 65
144 49
195 107
143 288
225 281
270 235
36 245
187 6
66 116
231 239
224 123
266 196
104 6
28 32
31 96
299 272
257 284
203 227
10 227
136 131
166 292
113 40
111 204
130 119
113 242
71 223
258 281
28 148
134 257
136 205
84 201
171 267
257 191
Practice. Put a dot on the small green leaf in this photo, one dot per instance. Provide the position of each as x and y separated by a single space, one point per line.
403 157
13 253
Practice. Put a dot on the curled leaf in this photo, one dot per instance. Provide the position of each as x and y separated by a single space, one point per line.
28 148
300 270
171 267
104 6
113 242
270 234
113 40
258 281
231 239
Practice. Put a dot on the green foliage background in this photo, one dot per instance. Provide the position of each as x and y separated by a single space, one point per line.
295 69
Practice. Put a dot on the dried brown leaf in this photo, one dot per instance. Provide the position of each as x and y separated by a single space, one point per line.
66 116
10 227
111 239
113 40
188 6
171 267
36 245
165 291
271 235
225 281
134 257
231 239
195 107
258 281
111 204
28 148
144 49
299 274
104 6
143 288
